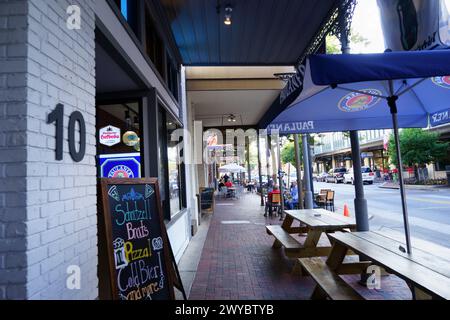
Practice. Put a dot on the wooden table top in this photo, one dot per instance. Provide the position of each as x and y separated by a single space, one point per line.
322 219
427 267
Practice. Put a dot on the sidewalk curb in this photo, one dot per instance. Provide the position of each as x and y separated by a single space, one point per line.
413 187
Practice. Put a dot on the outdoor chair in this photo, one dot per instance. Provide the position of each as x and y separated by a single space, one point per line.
321 198
330 201
223 192
239 192
274 204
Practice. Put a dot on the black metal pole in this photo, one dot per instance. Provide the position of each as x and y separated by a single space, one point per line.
393 106
280 175
311 180
268 157
249 178
361 213
260 169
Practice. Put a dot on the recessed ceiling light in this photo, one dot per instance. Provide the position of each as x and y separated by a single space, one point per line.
231 118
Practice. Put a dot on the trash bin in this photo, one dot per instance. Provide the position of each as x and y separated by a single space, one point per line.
447 169
207 200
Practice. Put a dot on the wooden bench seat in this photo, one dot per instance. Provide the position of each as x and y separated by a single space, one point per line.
283 238
329 284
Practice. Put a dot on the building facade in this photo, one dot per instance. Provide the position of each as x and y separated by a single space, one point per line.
332 150
69 70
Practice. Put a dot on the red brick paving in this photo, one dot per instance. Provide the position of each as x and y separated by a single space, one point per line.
238 261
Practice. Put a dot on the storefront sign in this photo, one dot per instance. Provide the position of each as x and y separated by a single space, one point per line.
109 136
124 165
367 155
140 261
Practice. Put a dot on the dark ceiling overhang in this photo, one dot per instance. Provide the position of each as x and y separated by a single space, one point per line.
263 32
338 22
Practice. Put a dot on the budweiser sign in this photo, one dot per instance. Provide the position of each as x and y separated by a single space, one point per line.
109 136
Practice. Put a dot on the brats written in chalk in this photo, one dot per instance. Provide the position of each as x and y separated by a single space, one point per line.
140 267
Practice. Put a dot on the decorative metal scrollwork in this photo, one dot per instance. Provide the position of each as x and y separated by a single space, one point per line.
340 17
342 27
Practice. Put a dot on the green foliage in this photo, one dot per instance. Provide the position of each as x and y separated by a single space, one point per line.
355 37
334 45
418 147
288 153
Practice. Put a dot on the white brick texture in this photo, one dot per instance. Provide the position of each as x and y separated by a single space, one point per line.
13 153
47 207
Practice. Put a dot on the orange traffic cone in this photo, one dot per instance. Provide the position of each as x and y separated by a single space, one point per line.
346 211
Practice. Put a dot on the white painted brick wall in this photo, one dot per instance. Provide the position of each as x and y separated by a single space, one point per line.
61 62
47 208
13 156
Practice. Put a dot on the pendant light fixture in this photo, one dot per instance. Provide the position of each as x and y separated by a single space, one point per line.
228 11
129 138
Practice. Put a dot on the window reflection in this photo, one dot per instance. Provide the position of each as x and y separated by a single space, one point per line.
174 181
173 169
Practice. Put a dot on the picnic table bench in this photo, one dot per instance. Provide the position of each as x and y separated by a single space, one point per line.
426 270
314 223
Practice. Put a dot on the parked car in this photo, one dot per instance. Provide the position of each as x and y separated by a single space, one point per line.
320 177
367 174
336 175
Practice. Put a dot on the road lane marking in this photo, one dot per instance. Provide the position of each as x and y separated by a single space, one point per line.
427 200
414 221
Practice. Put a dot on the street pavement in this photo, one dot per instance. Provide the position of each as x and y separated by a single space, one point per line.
429 210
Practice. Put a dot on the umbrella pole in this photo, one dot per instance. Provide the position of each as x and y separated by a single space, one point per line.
393 106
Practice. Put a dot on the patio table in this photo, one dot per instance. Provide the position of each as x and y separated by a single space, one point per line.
426 270
314 222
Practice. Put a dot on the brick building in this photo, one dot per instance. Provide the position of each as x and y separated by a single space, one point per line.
113 62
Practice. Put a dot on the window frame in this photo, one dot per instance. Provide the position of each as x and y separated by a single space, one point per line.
163 116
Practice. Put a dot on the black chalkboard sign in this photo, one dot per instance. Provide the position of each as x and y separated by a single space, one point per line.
140 261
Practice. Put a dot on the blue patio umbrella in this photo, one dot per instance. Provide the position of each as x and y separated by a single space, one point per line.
371 91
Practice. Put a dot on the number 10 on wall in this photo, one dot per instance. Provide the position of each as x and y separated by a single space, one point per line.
57 117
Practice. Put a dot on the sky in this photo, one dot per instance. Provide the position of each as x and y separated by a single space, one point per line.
367 22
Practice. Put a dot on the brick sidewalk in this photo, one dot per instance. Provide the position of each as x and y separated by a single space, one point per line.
238 261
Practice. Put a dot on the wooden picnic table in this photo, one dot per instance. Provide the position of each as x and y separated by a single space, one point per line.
426 270
314 222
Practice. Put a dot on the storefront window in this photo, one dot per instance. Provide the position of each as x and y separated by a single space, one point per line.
175 168
171 169
172 77
119 140
154 44
129 10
